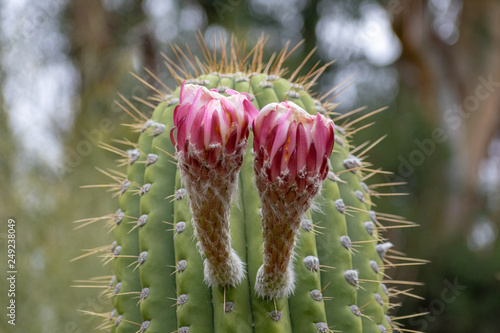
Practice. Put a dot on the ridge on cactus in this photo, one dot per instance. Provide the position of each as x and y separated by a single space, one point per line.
214 230
292 149
212 136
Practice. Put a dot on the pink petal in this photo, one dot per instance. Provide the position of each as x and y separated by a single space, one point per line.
181 132
244 124
231 142
226 109
215 134
302 146
197 139
320 137
194 109
323 171
172 136
250 109
195 127
262 131
276 165
231 92
191 135
270 139
292 137
213 154
256 143
289 146
188 93
180 112
281 133
264 119
207 122
245 133
176 114
330 141
292 167
312 160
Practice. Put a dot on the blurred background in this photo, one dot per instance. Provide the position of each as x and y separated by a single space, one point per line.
435 63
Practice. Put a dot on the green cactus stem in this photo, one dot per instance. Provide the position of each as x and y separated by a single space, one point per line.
233 216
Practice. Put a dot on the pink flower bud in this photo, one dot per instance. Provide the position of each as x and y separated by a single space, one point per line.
210 122
292 149
212 136
291 144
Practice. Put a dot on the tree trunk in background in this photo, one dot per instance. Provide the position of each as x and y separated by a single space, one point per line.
103 46
446 80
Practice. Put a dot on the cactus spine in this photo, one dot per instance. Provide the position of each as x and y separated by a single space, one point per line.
206 242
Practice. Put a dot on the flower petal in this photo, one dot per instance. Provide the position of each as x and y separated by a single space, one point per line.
289 146
330 140
311 163
215 131
250 109
292 167
302 147
231 142
319 138
276 165
195 128
172 136
281 132
181 132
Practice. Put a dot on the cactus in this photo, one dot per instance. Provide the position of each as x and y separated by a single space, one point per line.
233 219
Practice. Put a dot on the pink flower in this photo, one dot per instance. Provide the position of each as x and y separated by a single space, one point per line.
290 143
210 121
292 149
212 137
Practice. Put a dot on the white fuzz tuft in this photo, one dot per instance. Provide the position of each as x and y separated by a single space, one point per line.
229 277
275 286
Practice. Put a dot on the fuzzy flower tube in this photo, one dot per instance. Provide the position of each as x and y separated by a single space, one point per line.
292 150
211 136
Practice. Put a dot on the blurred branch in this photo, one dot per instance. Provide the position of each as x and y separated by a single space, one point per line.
411 26
104 45
446 78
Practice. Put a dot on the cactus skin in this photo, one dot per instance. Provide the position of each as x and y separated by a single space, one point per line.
127 276
338 288
156 272
307 305
351 191
197 312
332 253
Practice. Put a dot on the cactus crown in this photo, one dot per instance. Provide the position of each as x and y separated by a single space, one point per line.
215 230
